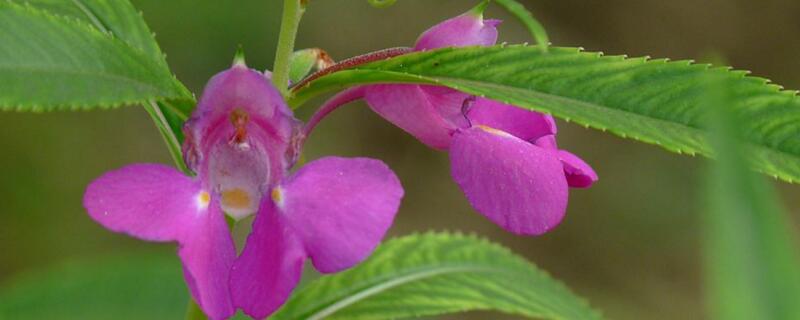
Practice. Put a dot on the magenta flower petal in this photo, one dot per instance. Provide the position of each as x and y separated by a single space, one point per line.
409 107
148 201
340 208
517 185
270 266
468 29
207 254
547 142
158 203
524 124
579 173
240 88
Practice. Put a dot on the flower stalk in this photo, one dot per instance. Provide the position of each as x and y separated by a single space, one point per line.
292 12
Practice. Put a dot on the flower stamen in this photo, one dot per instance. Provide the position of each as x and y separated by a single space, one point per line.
239 118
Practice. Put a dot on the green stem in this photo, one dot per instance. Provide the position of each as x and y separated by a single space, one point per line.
292 12
193 311
526 17
173 145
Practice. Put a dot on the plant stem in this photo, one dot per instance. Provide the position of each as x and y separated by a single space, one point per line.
332 104
193 311
292 12
173 145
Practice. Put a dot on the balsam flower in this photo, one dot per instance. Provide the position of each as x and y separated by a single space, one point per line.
504 158
241 142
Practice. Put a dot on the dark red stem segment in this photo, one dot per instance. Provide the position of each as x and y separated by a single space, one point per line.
353 62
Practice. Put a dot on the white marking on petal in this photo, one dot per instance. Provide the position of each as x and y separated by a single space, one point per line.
277 196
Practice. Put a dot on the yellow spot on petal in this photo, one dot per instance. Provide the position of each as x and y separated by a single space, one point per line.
277 195
494 131
203 198
236 198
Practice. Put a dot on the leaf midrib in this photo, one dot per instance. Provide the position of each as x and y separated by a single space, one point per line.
406 277
694 130
459 83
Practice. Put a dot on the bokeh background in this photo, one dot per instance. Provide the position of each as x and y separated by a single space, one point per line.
630 244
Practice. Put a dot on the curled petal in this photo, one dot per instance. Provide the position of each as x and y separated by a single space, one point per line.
517 185
468 29
579 173
270 266
524 124
410 108
340 208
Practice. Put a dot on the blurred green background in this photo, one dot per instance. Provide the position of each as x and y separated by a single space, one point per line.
630 244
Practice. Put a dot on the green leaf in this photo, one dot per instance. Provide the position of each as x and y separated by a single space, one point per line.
127 287
653 101
752 266
50 62
526 17
117 17
120 19
433 274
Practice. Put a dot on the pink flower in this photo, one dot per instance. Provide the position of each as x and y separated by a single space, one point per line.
503 158
241 143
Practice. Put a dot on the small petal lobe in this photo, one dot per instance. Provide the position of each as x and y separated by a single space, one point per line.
579 173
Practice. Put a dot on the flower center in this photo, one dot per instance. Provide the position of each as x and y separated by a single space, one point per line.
239 168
